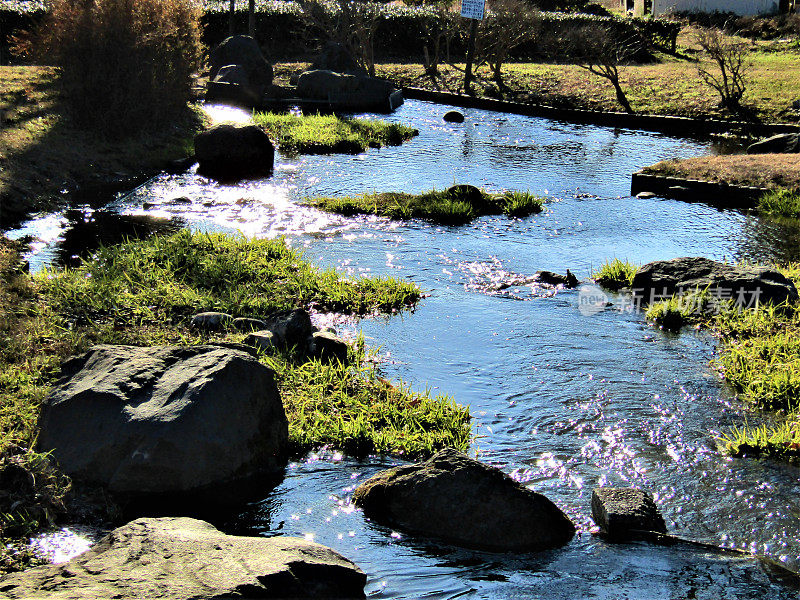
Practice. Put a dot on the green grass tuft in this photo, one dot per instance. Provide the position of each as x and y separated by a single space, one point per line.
353 409
443 207
615 274
780 441
781 202
175 276
325 134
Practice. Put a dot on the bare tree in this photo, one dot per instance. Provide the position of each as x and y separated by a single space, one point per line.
351 23
509 24
602 51
728 75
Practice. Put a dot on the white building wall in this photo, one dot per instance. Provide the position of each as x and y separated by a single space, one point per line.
740 7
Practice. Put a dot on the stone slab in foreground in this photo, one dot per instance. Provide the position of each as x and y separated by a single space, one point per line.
182 558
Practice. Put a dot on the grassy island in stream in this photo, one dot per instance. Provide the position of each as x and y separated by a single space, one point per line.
455 206
324 134
758 355
144 293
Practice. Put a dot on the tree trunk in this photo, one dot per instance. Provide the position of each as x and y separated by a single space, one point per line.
251 18
621 97
230 17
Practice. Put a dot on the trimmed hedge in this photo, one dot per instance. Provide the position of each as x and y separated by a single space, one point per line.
402 31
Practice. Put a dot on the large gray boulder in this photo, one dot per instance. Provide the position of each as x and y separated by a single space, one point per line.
465 502
626 513
743 284
196 422
230 151
183 559
348 92
244 51
784 143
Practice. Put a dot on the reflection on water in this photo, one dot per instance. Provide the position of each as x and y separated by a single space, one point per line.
562 401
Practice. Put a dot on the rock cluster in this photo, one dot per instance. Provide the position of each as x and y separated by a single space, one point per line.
750 284
288 330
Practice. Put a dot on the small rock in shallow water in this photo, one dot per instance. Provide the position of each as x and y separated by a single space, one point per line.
626 513
645 195
453 116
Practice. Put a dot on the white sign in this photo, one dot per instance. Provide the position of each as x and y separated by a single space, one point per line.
472 9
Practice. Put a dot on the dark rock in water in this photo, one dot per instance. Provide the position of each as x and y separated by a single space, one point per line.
230 151
344 91
569 280
211 321
292 328
467 193
334 57
243 324
244 51
748 284
453 116
626 513
185 559
328 346
465 502
189 423
785 143
265 340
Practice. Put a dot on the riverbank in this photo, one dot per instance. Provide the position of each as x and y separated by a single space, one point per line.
43 157
144 293
767 171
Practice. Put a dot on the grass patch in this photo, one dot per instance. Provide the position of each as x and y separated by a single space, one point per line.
782 202
353 409
324 134
615 274
781 441
456 206
168 277
668 86
757 170
143 293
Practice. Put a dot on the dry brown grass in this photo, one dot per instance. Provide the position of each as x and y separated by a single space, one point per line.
759 170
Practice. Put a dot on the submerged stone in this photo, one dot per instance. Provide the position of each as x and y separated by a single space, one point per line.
464 502
626 513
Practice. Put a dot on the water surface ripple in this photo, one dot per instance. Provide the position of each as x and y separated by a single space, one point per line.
562 402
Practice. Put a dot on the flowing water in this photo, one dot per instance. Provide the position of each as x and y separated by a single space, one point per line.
562 401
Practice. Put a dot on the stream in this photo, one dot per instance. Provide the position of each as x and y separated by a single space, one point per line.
561 401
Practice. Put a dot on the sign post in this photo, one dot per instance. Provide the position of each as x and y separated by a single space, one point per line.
471 9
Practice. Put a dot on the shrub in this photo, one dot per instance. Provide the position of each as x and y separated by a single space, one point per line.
783 202
125 64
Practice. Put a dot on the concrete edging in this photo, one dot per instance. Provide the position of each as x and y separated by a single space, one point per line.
668 124
713 192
